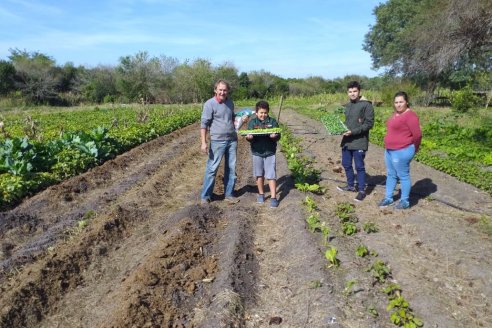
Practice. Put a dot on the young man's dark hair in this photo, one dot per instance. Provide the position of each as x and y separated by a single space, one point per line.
353 84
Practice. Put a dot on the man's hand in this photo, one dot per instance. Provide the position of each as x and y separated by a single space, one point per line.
204 148
249 137
348 133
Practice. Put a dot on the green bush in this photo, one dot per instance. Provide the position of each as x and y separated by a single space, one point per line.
414 93
463 100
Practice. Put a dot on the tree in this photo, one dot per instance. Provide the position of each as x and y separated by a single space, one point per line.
385 40
7 77
35 76
139 77
194 82
68 78
99 84
262 84
430 40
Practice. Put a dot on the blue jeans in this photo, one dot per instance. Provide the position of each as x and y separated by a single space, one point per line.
217 150
357 156
398 167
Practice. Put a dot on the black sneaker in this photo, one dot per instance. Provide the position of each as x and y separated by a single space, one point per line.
360 196
346 188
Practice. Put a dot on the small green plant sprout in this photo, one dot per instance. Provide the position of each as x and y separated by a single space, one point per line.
331 256
82 224
345 211
370 227
314 188
485 224
380 271
361 251
310 204
313 222
392 290
325 231
313 284
349 287
349 228
373 253
89 215
402 315
373 311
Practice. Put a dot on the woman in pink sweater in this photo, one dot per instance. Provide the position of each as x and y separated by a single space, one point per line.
402 141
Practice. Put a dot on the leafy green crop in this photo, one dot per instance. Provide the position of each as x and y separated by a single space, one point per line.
334 124
260 131
73 141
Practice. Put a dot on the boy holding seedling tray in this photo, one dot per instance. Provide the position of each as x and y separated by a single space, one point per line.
263 133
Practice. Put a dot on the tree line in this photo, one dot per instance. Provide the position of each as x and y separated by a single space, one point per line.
422 44
34 78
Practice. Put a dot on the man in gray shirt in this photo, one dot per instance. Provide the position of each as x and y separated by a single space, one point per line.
218 119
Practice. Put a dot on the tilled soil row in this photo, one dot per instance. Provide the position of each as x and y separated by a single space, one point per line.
33 226
436 250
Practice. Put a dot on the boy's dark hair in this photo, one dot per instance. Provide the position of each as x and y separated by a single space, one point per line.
262 104
353 84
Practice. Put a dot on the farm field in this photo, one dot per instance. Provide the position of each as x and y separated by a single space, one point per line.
128 244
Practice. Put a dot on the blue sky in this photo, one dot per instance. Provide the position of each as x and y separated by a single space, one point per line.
285 37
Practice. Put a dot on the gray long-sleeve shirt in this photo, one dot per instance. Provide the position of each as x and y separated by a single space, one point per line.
219 119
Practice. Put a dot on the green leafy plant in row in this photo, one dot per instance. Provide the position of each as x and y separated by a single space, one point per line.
27 166
300 166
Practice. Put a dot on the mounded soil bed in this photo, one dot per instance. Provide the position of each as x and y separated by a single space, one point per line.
128 244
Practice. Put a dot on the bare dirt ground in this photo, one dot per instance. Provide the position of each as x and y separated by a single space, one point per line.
148 254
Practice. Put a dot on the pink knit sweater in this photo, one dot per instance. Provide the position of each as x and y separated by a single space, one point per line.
402 131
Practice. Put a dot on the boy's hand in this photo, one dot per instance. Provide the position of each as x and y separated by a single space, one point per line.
249 136
273 135
348 133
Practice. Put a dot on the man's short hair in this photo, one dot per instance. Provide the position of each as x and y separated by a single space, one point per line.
353 84
222 81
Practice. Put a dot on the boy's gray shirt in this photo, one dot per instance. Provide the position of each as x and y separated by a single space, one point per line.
219 119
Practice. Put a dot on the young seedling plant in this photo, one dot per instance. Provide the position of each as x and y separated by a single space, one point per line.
361 251
402 315
331 256
314 188
349 287
370 227
310 204
380 271
313 222
349 228
345 211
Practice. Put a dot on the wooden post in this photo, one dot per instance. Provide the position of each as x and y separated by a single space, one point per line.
280 108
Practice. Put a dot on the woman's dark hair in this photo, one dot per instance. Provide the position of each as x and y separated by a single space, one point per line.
402 94
262 104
